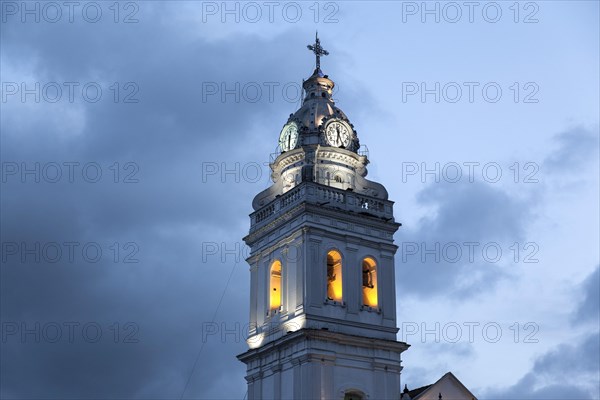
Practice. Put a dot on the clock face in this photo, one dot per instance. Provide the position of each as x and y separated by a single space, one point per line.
288 137
338 133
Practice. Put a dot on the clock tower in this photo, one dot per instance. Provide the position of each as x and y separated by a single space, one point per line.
322 278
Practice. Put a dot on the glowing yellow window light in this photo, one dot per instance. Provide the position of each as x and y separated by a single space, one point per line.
334 275
275 286
369 278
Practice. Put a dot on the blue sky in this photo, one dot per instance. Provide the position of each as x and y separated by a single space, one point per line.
158 132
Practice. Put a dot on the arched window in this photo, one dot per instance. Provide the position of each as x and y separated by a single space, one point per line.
353 396
275 286
334 275
369 282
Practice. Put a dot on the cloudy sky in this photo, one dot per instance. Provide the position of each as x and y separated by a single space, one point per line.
134 136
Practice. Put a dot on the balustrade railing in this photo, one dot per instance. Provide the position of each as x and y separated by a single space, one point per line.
290 197
325 193
323 196
370 204
264 213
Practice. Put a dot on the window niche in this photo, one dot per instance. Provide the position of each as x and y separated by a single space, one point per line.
353 396
369 282
275 286
334 276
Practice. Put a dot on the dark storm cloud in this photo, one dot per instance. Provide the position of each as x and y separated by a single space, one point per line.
568 372
434 257
589 308
173 214
463 248
576 147
486 213
571 370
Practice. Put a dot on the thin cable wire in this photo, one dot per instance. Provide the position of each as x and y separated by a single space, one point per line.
213 321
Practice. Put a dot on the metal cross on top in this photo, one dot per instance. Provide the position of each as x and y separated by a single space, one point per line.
318 50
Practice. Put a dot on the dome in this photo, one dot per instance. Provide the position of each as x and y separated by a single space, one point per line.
317 105
312 114
317 108
318 121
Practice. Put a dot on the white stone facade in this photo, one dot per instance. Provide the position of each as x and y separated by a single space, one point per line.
322 274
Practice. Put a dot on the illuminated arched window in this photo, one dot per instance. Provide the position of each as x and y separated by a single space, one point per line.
369 282
275 286
334 275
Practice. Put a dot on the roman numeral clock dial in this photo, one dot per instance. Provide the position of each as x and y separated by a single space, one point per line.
288 138
338 133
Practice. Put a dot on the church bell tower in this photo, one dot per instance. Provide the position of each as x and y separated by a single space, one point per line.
322 279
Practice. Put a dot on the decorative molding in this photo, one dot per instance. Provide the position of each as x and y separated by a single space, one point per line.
303 336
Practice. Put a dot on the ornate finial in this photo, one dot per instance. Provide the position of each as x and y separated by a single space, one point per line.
406 388
440 396
318 50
